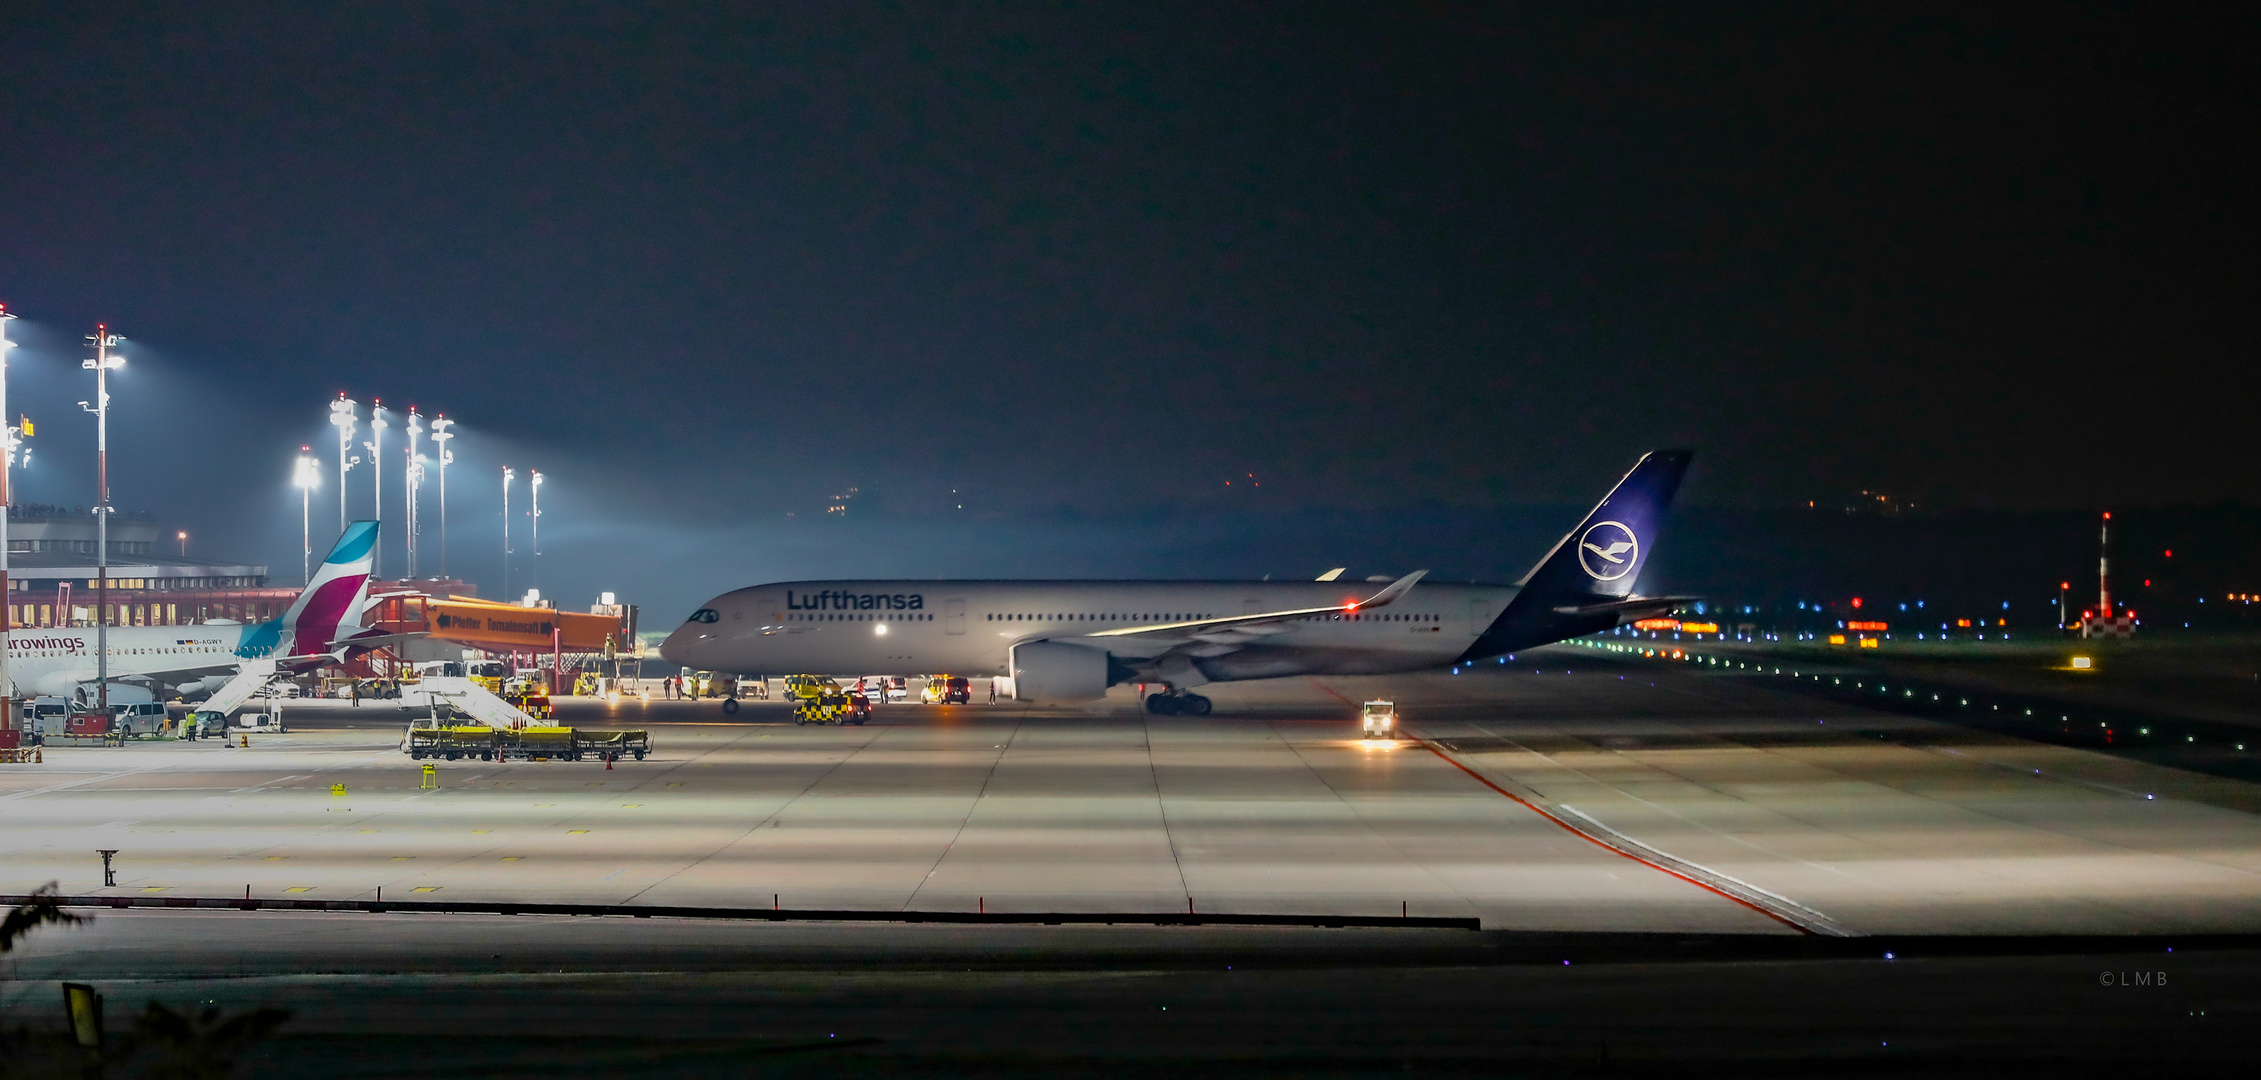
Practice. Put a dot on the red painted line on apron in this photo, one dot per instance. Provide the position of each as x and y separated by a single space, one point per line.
1583 835
1330 691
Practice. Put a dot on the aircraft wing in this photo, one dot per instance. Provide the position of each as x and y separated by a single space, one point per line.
1635 606
1216 637
373 639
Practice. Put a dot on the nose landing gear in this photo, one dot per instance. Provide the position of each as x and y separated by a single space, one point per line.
1177 703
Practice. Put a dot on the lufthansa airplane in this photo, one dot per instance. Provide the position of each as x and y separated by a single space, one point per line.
1068 641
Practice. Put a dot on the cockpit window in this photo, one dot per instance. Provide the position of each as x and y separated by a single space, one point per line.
705 614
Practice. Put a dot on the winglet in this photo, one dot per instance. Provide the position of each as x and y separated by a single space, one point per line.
1392 591
1333 574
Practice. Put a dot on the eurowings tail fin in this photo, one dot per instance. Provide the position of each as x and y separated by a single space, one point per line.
337 594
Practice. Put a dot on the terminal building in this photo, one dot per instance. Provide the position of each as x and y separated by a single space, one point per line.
51 574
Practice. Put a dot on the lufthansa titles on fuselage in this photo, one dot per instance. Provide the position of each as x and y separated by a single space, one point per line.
842 600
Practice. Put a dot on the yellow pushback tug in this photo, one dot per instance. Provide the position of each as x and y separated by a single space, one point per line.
820 700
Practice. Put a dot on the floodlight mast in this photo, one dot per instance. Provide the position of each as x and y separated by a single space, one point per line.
440 436
534 519
100 364
341 414
307 477
507 475
415 481
7 621
376 448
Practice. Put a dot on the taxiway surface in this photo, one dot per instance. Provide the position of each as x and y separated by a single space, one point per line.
1561 793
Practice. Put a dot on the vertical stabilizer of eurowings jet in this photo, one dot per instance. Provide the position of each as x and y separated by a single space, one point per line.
336 595
1597 563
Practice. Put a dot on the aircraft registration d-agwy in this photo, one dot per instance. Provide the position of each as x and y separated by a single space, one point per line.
1068 641
321 627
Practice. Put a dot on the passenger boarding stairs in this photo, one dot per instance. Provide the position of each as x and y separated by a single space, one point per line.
466 698
250 679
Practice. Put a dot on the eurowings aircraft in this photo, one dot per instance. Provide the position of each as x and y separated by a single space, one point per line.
1068 641
321 627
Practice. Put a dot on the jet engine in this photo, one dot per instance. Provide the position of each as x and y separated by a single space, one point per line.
1048 671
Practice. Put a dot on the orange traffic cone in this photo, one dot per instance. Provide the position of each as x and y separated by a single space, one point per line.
608 764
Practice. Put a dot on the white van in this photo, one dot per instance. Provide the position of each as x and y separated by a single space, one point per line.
138 718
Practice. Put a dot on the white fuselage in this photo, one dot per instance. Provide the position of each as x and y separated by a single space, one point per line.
53 661
970 627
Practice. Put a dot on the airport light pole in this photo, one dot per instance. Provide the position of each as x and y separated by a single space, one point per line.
507 477
376 448
307 477
100 364
534 519
7 621
341 414
440 436
415 480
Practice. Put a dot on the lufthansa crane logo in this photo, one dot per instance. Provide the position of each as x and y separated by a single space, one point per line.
1608 551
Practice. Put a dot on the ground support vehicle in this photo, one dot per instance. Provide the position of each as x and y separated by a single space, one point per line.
947 690
489 674
1378 719
610 745
819 700
531 702
706 684
428 738
453 743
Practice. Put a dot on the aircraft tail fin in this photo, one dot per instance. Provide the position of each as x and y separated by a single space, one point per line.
1584 584
1603 556
337 594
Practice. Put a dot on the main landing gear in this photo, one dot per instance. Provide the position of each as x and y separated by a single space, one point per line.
1177 703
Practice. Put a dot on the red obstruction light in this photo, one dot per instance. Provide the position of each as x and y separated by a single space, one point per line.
1856 601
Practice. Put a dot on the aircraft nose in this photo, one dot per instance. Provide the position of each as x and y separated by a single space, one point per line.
673 650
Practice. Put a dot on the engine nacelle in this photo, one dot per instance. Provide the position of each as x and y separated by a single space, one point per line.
1048 671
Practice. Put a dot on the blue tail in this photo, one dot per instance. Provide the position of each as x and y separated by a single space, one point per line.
1586 583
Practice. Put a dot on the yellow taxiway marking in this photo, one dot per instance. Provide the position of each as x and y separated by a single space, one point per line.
153 888
575 832
427 888
512 858
300 888
630 805
475 831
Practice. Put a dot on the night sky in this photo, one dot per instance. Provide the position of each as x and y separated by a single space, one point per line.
1084 263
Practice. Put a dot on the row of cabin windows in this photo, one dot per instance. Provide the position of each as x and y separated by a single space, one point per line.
39 615
1180 617
1405 617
